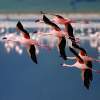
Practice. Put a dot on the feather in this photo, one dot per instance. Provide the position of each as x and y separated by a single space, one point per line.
32 51
62 46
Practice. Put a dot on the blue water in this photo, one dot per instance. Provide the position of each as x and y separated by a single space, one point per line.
21 79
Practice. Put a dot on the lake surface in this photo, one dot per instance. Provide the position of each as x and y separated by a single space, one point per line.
21 79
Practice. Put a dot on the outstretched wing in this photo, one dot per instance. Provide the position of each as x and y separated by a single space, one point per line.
59 16
69 29
47 21
88 77
21 28
62 46
32 52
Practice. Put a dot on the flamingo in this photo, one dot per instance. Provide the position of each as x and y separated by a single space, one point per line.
85 67
69 29
61 38
31 48
62 41
30 42
58 18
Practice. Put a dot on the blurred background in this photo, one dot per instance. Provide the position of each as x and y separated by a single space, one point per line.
54 6
21 79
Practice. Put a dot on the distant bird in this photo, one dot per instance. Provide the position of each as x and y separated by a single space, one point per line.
62 39
32 49
85 67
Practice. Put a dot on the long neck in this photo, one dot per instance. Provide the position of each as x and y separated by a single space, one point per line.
72 58
66 65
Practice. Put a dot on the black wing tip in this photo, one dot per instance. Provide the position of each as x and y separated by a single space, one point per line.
87 86
88 77
36 62
21 28
63 56
45 19
49 22
62 46
19 25
33 54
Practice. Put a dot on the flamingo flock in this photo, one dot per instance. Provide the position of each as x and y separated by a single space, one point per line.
64 37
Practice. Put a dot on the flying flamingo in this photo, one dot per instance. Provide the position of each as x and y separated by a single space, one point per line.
61 38
24 40
85 67
30 42
32 49
69 29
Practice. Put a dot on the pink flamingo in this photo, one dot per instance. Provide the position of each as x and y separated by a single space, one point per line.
85 67
69 30
30 42
62 39
25 40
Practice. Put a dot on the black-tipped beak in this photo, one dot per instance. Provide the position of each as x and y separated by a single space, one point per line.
19 25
